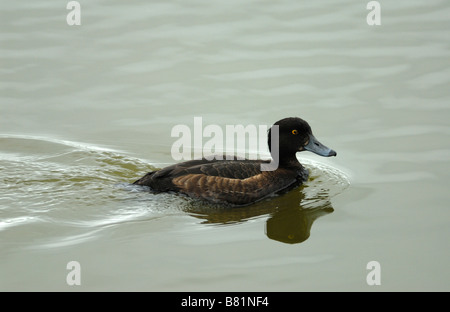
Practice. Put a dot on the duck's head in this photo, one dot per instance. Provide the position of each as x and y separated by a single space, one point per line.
295 135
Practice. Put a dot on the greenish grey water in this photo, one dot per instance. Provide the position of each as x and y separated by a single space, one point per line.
84 110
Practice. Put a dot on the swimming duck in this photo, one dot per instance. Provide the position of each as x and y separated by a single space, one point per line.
240 182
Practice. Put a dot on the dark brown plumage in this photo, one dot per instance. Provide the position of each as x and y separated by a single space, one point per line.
241 182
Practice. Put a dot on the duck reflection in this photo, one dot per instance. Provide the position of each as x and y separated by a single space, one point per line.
290 216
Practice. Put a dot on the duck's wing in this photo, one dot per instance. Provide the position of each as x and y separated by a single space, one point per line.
168 172
233 169
239 182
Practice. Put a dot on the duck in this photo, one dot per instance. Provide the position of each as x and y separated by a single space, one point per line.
241 182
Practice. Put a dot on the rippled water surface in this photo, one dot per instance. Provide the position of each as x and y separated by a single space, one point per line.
86 110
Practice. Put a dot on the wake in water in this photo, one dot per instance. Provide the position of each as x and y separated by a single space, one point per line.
74 190
54 189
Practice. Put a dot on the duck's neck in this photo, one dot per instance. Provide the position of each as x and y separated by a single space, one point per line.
287 161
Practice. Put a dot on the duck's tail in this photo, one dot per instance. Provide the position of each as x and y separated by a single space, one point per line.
145 180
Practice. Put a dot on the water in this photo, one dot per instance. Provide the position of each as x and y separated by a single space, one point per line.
85 110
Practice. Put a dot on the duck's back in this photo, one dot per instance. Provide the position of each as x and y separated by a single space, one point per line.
236 182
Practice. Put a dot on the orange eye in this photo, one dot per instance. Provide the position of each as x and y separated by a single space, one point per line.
295 132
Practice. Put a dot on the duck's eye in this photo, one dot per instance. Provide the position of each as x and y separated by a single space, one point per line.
295 132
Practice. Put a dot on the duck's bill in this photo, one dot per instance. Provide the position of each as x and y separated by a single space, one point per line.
316 147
